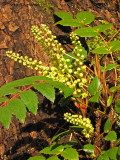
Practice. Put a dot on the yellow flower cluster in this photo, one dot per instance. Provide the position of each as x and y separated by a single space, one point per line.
84 123
68 70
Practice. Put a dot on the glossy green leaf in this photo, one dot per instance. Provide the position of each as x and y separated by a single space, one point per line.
101 50
46 90
107 126
30 99
26 81
94 86
100 158
85 17
70 153
17 83
66 90
70 144
53 149
117 109
17 107
104 156
102 28
111 136
64 15
86 32
69 22
115 88
118 79
113 153
102 68
114 45
5 116
3 99
53 158
95 98
77 128
37 158
117 141
89 148
109 101
8 91
60 134
110 66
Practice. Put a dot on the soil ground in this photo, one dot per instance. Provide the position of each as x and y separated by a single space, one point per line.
21 141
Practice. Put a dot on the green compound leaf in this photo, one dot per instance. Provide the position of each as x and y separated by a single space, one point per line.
112 153
25 81
111 136
46 89
110 66
89 148
114 45
107 126
17 83
5 116
66 90
37 158
86 32
30 99
17 107
3 99
109 101
94 86
53 158
70 22
95 98
101 50
117 109
64 15
60 134
70 153
8 91
53 149
85 17
102 28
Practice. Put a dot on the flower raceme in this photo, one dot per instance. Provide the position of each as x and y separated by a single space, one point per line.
63 68
84 123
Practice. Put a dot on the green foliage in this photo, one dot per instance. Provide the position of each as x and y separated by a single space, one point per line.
118 106
109 154
111 136
94 86
64 150
28 98
107 126
94 89
47 90
89 148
